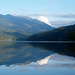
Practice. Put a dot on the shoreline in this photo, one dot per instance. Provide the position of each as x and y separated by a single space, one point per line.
42 41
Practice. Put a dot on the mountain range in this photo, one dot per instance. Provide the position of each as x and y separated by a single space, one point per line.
19 28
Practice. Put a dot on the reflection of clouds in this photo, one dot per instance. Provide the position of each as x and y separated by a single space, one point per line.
23 70
57 58
13 67
71 66
44 70
55 61
19 68
44 61
63 58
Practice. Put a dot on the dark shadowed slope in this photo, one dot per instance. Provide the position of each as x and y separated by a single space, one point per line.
66 33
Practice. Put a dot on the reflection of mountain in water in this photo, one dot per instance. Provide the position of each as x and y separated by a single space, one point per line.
59 61
54 60
60 48
24 53
20 52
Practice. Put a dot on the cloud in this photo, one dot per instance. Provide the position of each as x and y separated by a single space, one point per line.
60 23
24 10
37 14
72 15
21 9
13 13
43 10
63 8
34 15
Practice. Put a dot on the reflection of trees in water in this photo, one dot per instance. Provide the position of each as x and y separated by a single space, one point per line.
60 48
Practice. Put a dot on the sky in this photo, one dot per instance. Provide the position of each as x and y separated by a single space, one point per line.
59 12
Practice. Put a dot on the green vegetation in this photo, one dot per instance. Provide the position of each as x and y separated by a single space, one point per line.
72 35
2 39
66 33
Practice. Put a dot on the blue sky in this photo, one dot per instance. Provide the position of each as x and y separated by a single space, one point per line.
55 10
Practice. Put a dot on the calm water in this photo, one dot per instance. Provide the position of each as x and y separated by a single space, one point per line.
22 58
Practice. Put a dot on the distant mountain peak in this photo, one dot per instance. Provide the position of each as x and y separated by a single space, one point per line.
45 20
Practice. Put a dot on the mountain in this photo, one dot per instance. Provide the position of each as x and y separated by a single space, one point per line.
45 20
19 28
66 33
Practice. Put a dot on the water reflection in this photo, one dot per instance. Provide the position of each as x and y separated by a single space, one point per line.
13 53
60 48
44 61
39 57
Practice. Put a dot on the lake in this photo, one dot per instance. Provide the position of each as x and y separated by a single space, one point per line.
37 58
